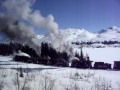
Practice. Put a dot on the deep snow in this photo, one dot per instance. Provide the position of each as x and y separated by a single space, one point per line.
63 78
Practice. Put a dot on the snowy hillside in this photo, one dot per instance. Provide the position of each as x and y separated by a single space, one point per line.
112 33
77 35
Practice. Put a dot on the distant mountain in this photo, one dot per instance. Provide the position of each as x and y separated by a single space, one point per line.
111 33
78 35
110 29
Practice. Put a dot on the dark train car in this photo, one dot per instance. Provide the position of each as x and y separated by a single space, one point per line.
116 65
23 57
81 64
62 63
107 66
102 65
73 62
98 65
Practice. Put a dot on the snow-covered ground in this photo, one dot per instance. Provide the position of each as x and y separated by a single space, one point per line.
43 77
7 62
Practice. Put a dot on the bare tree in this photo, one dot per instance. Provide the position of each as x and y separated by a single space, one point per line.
102 84
16 82
3 75
73 85
25 82
47 83
21 84
2 84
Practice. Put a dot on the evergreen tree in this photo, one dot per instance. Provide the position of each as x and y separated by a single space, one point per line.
81 55
77 55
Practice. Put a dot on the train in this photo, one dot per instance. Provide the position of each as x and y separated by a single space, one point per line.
97 65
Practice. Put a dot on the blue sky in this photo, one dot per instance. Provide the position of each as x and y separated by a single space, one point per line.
92 15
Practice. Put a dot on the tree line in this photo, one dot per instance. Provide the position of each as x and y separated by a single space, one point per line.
47 55
110 42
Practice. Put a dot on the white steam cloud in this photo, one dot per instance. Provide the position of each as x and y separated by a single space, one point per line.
12 21
18 19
